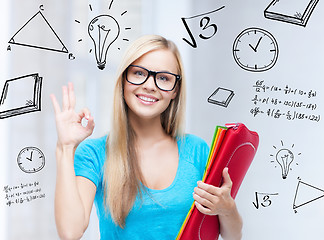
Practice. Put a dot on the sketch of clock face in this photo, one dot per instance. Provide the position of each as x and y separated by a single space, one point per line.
255 50
31 159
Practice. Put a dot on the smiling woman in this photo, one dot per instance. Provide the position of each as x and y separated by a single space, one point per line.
150 167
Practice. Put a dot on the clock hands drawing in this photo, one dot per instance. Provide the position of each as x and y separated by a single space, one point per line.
255 50
256 46
31 159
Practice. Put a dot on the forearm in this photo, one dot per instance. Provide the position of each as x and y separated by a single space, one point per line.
69 211
231 225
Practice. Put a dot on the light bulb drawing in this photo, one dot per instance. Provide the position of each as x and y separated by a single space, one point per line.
103 30
284 157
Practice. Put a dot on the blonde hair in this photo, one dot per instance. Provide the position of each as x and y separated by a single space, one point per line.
122 175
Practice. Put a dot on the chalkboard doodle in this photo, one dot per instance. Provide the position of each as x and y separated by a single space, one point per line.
208 28
255 50
23 193
31 159
295 12
284 157
284 102
305 194
21 95
263 200
33 33
221 97
104 30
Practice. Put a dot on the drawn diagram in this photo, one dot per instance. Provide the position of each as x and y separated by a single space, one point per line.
284 157
263 199
31 159
295 12
21 95
221 97
305 194
103 30
33 33
255 50
208 29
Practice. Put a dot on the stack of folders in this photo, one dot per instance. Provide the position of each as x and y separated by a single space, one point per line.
233 146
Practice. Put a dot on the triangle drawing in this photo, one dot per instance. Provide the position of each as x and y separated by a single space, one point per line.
38 33
306 193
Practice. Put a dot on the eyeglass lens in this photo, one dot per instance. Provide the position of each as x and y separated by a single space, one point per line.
163 80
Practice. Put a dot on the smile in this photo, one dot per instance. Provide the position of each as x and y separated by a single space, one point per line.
147 99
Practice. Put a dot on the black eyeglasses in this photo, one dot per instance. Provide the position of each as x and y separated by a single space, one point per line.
138 75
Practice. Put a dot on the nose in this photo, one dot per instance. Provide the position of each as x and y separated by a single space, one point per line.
150 84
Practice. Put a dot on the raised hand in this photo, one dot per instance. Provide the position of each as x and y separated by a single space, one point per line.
211 200
69 126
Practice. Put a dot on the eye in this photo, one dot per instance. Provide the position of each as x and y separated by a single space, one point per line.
139 73
163 77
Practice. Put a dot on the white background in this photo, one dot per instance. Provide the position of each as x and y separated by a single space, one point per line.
209 66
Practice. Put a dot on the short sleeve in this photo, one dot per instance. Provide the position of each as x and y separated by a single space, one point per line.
89 159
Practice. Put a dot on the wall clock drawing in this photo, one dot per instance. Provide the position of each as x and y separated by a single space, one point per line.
255 50
31 159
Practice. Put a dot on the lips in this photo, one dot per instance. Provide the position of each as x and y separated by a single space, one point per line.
147 99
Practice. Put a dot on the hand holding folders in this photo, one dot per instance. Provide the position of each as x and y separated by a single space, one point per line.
234 147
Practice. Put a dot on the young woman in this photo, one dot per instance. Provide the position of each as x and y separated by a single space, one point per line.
143 176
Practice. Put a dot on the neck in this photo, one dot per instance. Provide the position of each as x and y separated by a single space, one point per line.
147 131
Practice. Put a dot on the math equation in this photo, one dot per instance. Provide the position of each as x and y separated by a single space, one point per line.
22 193
284 102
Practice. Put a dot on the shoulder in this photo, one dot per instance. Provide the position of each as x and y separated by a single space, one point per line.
192 141
194 151
93 144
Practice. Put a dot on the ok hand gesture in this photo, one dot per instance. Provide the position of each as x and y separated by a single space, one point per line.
70 130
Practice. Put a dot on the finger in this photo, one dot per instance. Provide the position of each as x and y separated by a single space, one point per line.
85 113
203 201
66 102
203 193
90 126
72 98
227 182
208 187
202 209
56 105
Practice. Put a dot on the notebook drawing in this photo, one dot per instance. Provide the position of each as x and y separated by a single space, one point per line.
221 97
21 95
291 11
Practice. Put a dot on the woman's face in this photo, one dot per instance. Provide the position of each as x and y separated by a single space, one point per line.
147 101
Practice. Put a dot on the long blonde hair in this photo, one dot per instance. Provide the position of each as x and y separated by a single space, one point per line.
122 176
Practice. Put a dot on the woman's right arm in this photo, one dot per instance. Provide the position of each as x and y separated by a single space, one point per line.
73 195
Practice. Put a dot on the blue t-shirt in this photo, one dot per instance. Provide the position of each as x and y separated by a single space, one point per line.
160 213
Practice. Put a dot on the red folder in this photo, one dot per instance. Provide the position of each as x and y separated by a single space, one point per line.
233 147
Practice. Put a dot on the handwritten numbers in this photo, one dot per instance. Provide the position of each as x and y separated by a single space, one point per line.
263 199
208 29
205 25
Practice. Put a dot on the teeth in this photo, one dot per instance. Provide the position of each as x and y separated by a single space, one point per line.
147 99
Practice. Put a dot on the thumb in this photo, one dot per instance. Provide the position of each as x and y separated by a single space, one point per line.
227 182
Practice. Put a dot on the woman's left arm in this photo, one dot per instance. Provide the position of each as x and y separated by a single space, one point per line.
211 200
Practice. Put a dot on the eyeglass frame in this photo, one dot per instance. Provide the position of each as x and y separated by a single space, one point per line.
152 73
